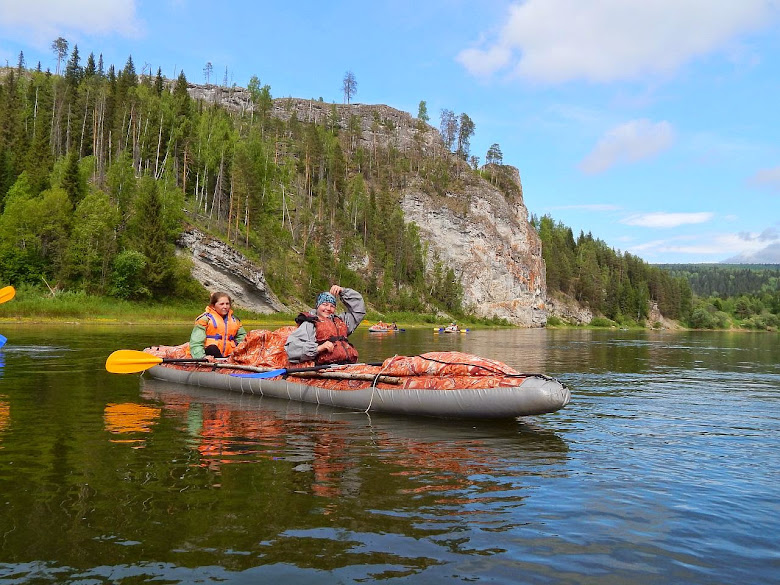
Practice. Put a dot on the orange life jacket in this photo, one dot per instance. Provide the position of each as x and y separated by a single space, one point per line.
334 330
220 331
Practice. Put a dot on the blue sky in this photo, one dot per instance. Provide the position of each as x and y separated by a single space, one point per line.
654 125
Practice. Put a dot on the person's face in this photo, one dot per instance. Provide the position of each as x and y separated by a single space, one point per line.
222 306
325 310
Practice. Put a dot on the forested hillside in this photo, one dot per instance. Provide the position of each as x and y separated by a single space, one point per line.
99 170
746 296
727 280
619 286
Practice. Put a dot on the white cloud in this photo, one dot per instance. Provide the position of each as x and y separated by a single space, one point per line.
662 219
589 207
44 20
628 142
763 247
560 40
768 178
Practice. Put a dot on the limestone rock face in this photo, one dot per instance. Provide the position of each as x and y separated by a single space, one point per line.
487 240
217 266
480 231
569 310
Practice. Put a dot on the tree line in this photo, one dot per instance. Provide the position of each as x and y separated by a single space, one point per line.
621 286
618 286
745 296
101 167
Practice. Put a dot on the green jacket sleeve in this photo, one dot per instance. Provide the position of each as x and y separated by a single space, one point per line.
240 335
197 342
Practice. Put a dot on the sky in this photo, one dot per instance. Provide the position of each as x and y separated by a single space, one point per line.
652 124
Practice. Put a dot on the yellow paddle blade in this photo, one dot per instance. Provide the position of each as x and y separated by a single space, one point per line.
128 361
7 293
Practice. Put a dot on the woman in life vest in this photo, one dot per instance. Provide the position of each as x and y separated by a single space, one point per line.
322 335
217 330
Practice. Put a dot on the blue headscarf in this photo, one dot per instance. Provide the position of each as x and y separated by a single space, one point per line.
325 297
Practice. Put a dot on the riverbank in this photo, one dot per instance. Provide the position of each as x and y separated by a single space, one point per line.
31 306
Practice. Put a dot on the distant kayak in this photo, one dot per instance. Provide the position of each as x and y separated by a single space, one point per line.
449 329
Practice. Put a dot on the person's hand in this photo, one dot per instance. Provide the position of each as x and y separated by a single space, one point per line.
335 290
325 346
209 358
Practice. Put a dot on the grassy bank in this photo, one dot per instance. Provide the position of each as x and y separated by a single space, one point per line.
31 305
34 305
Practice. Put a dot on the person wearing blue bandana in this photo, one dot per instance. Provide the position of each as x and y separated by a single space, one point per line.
322 335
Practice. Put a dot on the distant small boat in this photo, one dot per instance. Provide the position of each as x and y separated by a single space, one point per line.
383 328
450 329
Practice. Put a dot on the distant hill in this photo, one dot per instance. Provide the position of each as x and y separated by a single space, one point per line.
769 255
727 280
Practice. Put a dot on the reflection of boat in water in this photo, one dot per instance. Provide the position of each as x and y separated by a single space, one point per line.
275 420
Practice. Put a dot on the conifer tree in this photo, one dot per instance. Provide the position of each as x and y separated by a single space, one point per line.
60 48
149 236
72 181
158 82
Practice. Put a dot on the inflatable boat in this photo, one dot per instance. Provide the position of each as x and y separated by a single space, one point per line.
515 395
435 384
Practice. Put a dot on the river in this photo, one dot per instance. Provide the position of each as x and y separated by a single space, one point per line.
664 468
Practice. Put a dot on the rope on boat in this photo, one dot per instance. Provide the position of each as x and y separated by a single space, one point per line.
376 378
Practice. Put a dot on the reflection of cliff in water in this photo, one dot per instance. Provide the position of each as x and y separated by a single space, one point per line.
337 448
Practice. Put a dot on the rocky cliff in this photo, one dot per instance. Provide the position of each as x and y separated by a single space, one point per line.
479 230
217 266
486 238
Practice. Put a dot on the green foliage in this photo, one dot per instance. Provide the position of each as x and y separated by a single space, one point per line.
727 280
619 286
705 316
747 296
128 276
93 243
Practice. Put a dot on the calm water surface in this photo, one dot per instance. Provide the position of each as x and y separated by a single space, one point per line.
664 468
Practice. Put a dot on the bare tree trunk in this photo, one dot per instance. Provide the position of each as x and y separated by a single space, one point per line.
230 210
159 144
67 132
84 123
35 114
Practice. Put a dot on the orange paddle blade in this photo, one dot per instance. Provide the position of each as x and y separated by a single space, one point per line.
128 361
7 293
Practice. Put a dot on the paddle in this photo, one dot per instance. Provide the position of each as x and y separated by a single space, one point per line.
7 293
128 361
293 371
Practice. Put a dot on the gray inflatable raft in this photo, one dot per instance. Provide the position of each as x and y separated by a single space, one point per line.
532 395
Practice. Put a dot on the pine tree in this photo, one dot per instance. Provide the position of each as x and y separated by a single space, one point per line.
150 238
72 181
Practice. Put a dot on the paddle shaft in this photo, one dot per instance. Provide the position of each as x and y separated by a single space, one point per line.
317 372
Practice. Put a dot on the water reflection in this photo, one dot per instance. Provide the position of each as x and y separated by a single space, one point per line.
5 413
130 418
329 446
662 470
